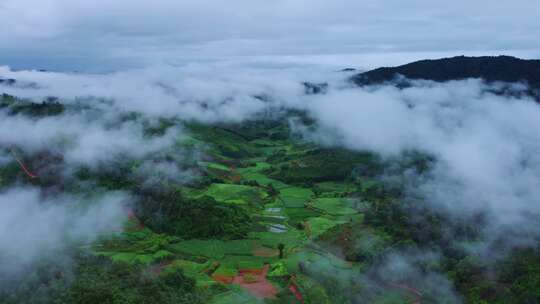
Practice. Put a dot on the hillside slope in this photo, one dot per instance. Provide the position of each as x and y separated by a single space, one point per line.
491 69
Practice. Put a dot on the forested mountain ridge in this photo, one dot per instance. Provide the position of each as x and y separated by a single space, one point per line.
488 68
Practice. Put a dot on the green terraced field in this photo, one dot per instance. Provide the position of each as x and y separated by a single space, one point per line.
214 166
333 206
295 197
236 194
215 249
319 225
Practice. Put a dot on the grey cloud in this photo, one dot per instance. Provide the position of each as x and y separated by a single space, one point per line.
82 34
487 156
219 91
33 227
155 173
80 140
402 273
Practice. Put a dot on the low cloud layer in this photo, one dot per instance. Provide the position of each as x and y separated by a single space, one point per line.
81 140
223 91
487 154
33 227
398 273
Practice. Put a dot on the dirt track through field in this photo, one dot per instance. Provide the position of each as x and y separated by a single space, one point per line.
23 167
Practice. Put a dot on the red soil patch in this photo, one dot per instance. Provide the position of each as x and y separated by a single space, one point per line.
134 219
235 178
253 271
265 252
157 268
131 215
296 293
254 281
223 279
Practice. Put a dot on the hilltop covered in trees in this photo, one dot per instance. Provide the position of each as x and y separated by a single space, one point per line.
491 69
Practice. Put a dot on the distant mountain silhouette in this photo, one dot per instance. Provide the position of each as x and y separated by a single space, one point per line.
491 69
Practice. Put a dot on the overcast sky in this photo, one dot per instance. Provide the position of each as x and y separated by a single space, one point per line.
100 35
